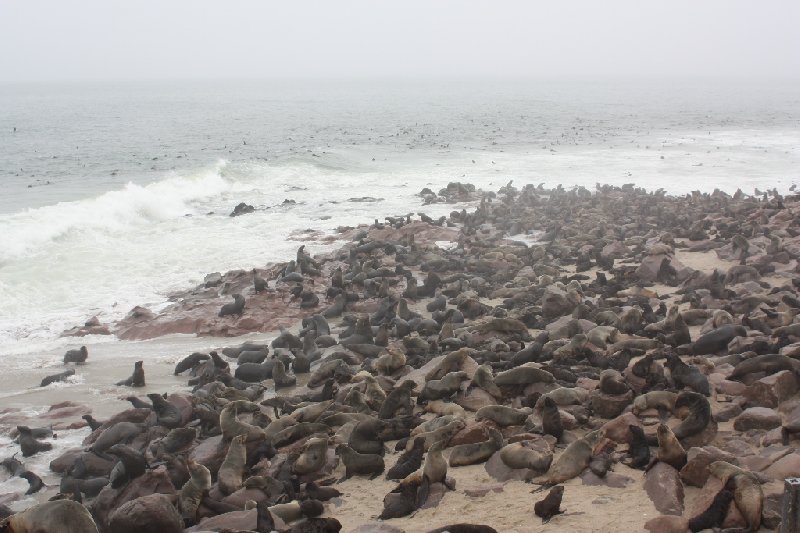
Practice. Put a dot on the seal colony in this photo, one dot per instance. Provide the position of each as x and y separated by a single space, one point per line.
602 352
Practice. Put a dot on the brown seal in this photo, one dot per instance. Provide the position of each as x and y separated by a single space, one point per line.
518 456
478 452
193 491
363 464
137 378
399 398
670 450
313 457
551 419
550 505
748 495
76 356
574 459
64 516
231 472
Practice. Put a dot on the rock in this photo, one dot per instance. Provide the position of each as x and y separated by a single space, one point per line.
155 481
703 438
771 390
757 418
66 410
608 406
210 453
729 412
667 524
731 388
236 520
154 513
611 479
617 428
664 488
703 498
242 209
654 268
784 467
696 470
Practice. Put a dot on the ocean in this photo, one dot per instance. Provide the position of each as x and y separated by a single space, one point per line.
115 195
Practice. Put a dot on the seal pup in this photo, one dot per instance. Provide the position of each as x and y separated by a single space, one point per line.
35 483
190 362
193 491
687 375
91 422
409 461
64 516
231 472
259 283
434 471
29 445
136 379
550 505
131 465
78 356
398 398
55 378
638 448
169 415
280 377
364 464
235 308
670 450
551 419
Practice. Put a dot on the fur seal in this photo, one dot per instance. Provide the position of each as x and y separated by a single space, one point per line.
363 464
29 445
670 450
76 356
235 308
612 382
484 379
502 415
699 414
323 494
399 398
550 505
464 528
551 419
190 362
64 516
687 375
434 471
121 432
193 491
518 456
313 456
770 363
168 415
231 426
717 340
409 461
55 378
91 422
231 472
438 389
259 283
136 379
747 492
469 454
573 460
523 375
131 465
661 400
280 377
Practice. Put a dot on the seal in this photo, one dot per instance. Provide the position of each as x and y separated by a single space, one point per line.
136 379
550 505
121 432
409 461
747 492
190 362
715 515
662 400
231 426
434 471
464 528
449 363
131 465
323 494
312 458
55 378
402 501
438 389
551 419
193 491
399 398
717 340
76 356
235 308
573 460
280 377
28 443
443 434
522 376
471 453
518 456
363 464
612 382
484 379
699 414
687 376
91 422
259 283
501 415
669 450
168 414
64 516
770 364
231 472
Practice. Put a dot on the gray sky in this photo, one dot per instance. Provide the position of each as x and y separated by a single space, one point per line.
144 39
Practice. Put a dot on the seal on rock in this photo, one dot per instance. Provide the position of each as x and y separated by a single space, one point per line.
747 493
231 472
234 308
471 453
573 460
517 456
193 491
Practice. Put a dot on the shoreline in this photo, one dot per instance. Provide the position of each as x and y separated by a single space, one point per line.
483 276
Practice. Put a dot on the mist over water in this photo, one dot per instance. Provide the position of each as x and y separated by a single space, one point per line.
113 196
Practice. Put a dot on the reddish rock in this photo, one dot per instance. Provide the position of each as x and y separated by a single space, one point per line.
154 513
696 470
706 436
66 410
664 488
731 388
210 453
757 418
703 498
667 524
617 428
728 412
151 482
474 399
182 400
771 390
788 466
608 406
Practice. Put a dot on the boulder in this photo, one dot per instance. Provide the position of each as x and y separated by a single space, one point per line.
475 431
771 390
474 399
664 488
667 524
154 513
617 428
155 481
696 470
757 418
608 406
785 467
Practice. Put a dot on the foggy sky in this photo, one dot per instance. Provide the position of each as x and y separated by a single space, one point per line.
178 39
